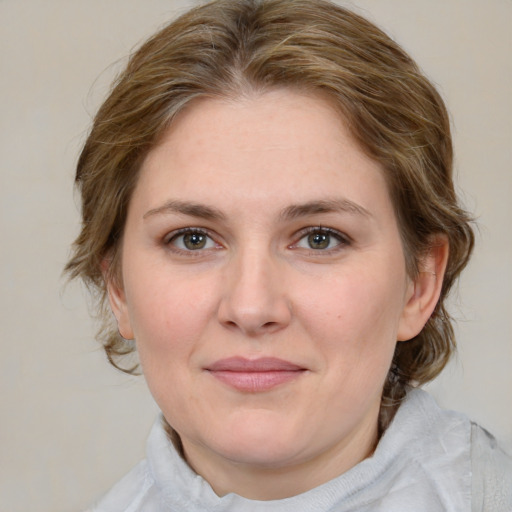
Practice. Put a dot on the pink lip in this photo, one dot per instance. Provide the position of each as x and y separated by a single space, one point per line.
257 375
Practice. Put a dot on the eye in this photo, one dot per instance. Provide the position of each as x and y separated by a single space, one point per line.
191 240
321 239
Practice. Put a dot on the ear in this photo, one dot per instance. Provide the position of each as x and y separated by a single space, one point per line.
117 300
424 290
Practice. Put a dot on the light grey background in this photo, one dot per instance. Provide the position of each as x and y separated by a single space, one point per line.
70 425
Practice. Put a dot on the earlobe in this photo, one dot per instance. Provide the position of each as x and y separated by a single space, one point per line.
118 304
424 291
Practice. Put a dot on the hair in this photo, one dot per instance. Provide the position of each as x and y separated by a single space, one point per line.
229 48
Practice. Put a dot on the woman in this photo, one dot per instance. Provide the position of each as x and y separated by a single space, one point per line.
268 210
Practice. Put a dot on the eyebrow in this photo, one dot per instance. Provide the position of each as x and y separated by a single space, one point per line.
291 212
187 208
340 205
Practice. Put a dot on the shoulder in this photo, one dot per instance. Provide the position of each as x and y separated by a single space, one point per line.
491 473
130 491
462 461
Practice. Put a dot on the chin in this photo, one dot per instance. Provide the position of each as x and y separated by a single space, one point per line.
259 443
265 455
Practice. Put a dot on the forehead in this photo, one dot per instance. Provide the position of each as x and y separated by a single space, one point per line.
273 148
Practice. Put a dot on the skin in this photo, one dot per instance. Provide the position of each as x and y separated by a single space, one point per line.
249 180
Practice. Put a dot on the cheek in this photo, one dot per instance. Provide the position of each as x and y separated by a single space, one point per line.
168 314
356 317
169 321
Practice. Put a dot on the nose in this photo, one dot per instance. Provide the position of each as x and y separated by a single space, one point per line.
254 299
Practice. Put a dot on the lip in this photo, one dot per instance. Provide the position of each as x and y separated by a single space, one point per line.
255 375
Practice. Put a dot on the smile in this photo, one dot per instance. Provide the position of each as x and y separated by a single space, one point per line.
255 376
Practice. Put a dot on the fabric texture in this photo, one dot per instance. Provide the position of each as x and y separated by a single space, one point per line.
428 460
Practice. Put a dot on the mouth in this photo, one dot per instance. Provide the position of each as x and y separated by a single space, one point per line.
255 375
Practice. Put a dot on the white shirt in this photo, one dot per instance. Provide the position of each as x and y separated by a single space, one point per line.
428 460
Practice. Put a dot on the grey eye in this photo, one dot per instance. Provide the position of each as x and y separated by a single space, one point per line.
319 240
192 241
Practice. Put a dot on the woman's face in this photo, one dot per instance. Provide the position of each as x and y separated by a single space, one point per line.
264 281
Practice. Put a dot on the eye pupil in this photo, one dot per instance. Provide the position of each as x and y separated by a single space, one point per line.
319 240
194 241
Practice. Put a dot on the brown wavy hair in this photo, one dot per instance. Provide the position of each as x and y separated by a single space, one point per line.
228 48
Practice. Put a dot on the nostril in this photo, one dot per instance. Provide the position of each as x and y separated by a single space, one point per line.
230 323
252 328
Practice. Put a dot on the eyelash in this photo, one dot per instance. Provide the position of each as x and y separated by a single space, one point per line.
342 240
171 239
